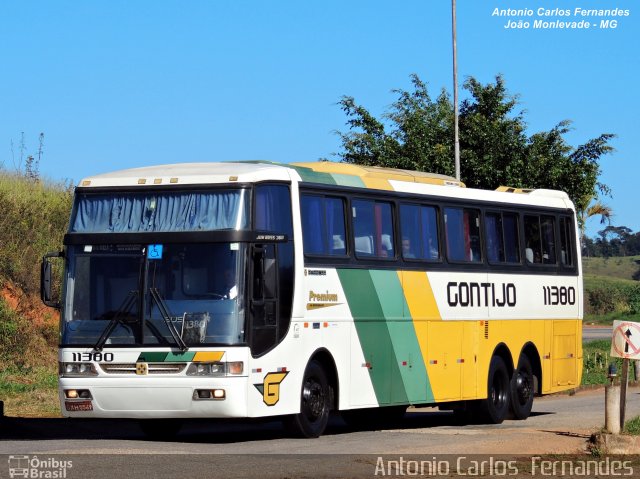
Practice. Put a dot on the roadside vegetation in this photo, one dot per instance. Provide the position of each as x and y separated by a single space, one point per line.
596 360
632 426
611 292
34 216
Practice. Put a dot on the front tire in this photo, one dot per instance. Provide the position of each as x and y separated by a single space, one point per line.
495 408
315 401
522 389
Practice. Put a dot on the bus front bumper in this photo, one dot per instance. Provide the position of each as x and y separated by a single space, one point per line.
145 398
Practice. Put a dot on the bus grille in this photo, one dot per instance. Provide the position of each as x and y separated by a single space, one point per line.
153 368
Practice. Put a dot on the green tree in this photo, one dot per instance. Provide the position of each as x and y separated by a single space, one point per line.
588 207
416 133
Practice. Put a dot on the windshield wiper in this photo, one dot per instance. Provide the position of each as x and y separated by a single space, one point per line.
118 318
166 315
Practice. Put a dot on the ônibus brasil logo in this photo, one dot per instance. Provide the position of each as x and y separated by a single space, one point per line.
34 467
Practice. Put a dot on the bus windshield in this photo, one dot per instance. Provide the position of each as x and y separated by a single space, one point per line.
139 212
146 294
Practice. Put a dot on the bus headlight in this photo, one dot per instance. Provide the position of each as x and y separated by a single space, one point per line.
235 368
206 369
77 369
215 369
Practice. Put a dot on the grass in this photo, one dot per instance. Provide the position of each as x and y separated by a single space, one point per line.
593 281
620 267
632 426
30 391
33 218
595 363
28 365
609 318
606 295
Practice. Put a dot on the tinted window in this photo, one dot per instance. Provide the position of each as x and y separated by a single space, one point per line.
493 234
373 229
462 230
566 243
419 226
323 229
501 231
547 227
273 209
533 246
511 237
540 243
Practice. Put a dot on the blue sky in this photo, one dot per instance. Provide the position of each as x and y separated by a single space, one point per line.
116 84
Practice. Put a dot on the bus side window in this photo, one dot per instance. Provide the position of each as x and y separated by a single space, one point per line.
323 225
540 239
373 229
511 237
547 224
419 228
493 235
533 246
566 250
501 233
273 209
462 232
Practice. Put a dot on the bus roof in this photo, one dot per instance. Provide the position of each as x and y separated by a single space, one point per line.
190 173
323 172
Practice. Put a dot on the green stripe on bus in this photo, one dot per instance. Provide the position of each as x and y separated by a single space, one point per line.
180 357
348 180
307 174
373 334
158 357
152 357
406 349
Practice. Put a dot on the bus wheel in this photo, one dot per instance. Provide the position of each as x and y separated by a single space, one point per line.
495 408
314 404
160 429
522 389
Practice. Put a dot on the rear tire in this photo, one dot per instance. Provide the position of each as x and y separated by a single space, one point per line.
495 408
315 401
522 391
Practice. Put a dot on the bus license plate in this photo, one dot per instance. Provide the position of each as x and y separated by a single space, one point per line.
78 405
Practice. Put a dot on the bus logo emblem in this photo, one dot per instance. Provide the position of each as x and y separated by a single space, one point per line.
142 369
270 387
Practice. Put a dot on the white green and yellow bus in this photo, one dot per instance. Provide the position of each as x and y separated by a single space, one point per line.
255 289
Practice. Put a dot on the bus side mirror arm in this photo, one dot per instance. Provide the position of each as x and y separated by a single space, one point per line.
45 280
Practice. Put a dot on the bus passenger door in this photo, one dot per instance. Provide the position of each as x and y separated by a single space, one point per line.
263 299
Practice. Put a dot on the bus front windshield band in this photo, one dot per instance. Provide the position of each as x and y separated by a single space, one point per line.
161 212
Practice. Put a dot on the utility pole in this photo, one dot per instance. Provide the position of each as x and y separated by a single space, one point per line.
455 91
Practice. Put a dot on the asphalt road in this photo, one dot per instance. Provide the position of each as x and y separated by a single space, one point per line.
592 333
104 448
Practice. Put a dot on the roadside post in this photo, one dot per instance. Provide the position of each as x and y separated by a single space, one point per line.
625 344
612 402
